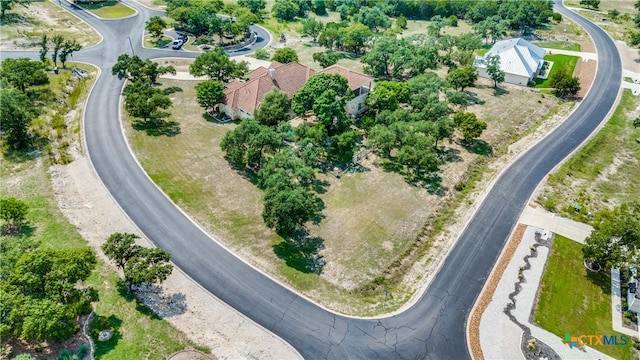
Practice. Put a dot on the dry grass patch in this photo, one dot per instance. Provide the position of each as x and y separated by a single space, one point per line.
25 26
604 173
372 217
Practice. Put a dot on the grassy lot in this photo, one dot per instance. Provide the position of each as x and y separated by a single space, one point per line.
372 217
559 62
110 9
562 45
23 27
197 177
605 172
140 334
574 300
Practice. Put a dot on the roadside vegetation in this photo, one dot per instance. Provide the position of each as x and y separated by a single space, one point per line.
50 277
575 300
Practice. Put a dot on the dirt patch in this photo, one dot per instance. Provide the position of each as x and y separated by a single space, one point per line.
490 287
585 71
630 57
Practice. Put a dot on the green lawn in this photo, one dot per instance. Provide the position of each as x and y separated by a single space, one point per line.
111 9
562 45
559 62
574 300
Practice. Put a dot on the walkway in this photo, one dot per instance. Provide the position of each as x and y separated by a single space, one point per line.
568 228
500 337
615 306
584 55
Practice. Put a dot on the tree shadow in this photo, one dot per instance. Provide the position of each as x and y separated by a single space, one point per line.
162 305
431 182
320 186
20 156
130 295
11 19
24 230
477 146
157 127
602 279
221 119
100 323
301 252
473 98
172 89
450 155
500 91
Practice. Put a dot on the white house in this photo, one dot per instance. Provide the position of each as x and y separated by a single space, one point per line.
520 60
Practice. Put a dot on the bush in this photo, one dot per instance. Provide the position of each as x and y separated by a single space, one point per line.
557 17
453 20
262 54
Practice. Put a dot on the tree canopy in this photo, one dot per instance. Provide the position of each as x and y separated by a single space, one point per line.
145 101
564 83
217 65
615 241
44 293
285 55
155 26
462 77
136 70
17 113
274 109
247 145
13 213
209 93
23 73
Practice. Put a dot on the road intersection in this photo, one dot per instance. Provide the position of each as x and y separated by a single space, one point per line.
434 327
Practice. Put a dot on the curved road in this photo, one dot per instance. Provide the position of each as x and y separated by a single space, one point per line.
432 328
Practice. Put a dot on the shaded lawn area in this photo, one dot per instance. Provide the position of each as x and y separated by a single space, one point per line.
561 45
573 300
111 9
150 42
559 62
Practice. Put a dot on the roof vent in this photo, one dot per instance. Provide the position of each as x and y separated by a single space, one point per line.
272 73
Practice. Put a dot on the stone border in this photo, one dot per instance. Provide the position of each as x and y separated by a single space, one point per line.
487 293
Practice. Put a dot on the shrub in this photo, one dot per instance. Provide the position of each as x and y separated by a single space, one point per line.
557 17
453 20
262 54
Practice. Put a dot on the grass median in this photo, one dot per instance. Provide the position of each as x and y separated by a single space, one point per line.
110 9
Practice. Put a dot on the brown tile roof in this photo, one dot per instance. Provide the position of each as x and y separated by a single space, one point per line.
355 79
248 95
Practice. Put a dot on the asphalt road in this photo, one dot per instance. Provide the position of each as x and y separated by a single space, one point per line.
432 328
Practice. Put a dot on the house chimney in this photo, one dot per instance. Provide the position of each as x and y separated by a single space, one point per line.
272 73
